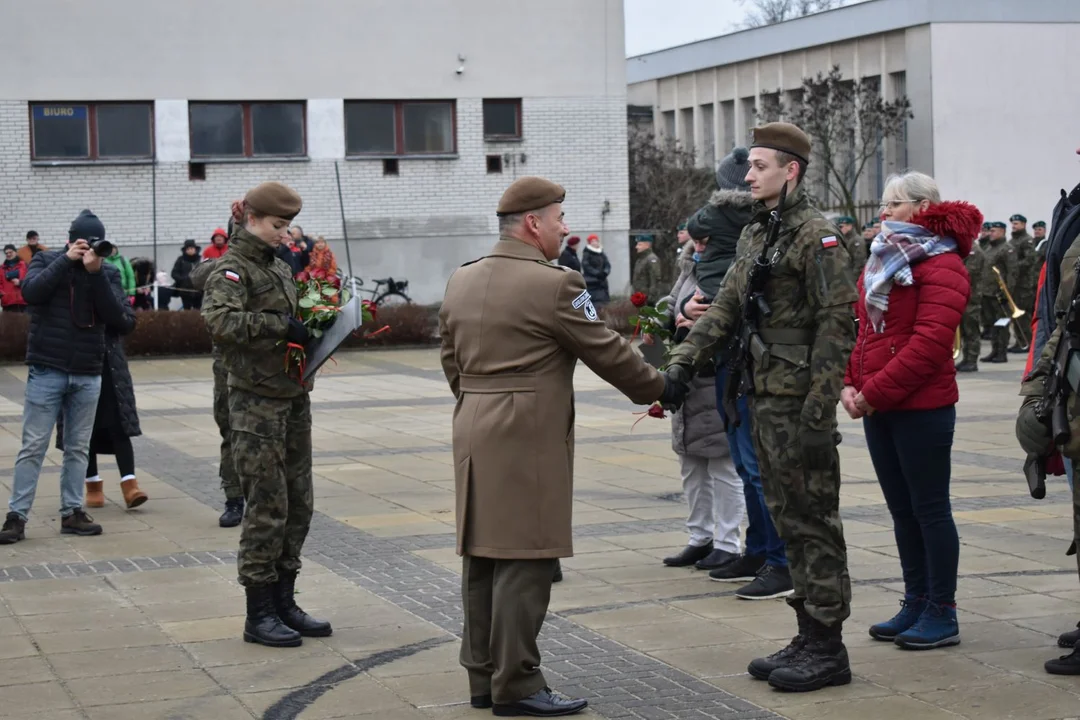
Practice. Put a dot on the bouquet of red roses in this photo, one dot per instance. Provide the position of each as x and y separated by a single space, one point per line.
654 323
321 299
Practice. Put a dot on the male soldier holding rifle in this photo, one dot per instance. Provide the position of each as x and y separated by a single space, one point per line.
784 323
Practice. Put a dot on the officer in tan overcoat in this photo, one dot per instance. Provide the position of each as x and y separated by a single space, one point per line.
513 327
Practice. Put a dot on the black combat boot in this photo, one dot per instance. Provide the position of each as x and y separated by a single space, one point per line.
1069 639
291 614
995 357
556 576
968 366
762 668
1065 665
234 513
823 661
263 626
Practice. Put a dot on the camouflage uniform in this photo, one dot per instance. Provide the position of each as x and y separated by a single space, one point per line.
230 483
646 277
858 251
249 297
1001 255
970 334
1027 269
796 385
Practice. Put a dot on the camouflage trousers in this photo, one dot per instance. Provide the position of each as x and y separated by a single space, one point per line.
992 312
230 483
970 334
271 447
805 507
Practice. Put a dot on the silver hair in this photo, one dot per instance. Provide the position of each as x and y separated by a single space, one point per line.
911 187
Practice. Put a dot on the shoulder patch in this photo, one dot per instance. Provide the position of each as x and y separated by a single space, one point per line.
230 275
654 259
581 299
829 241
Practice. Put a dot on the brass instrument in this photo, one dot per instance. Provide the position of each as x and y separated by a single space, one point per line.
957 346
1012 312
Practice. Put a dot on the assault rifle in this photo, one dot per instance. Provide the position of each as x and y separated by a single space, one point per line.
754 308
1064 379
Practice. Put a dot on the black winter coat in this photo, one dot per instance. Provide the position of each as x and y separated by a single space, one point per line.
181 270
721 221
595 267
116 404
69 309
568 258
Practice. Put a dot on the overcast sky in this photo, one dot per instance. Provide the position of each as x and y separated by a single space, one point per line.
657 24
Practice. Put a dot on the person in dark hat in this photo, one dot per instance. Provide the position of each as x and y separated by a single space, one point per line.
855 247
1001 255
568 258
800 352
181 275
72 297
1038 232
1027 276
868 232
251 310
513 327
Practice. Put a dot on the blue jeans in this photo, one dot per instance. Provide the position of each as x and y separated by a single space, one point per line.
911 451
50 392
761 536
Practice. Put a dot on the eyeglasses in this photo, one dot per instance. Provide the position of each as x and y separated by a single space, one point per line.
893 204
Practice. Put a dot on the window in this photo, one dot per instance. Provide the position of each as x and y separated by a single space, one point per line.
245 130
494 164
91 131
502 119
406 127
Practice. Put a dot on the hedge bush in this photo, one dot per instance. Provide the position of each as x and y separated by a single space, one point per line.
183 332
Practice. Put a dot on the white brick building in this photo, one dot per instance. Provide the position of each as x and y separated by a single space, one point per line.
156 115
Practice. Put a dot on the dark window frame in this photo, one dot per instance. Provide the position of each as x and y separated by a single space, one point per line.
248 133
91 133
496 137
399 130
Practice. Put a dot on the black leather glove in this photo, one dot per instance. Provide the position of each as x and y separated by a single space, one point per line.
1034 434
297 332
818 448
676 387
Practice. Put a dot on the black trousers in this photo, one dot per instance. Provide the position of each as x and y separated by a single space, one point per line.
505 603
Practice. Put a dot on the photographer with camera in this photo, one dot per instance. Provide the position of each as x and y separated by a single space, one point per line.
72 295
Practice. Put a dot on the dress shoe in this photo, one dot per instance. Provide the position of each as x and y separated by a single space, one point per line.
481 702
543 703
716 559
556 577
689 555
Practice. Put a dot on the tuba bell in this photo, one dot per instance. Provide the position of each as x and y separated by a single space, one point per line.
957 346
1012 311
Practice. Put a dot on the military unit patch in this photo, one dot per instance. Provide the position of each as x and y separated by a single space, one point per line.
829 242
581 299
230 275
584 300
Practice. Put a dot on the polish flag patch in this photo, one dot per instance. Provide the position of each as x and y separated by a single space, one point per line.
230 275
829 242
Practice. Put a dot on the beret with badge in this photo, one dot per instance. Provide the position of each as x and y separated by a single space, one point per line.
1018 218
784 137
998 224
1039 224
274 199
529 193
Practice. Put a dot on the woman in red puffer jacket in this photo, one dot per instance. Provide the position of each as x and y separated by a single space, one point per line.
902 382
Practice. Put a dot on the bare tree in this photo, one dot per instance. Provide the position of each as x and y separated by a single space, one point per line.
770 12
666 186
847 121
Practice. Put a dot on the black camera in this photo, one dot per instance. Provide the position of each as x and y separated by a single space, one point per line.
101 247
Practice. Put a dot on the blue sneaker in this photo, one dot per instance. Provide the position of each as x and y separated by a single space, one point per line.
911 607
936 627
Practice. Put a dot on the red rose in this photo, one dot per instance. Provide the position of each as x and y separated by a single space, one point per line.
639 299
369 307
335 281
301 277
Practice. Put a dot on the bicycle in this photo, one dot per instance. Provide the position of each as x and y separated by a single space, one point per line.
393 295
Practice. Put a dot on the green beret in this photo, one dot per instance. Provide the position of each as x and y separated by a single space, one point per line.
845 220
784 137
987 225
529 193
869 225
274 199
998 224
645 239
1018 218
682 226
1039 224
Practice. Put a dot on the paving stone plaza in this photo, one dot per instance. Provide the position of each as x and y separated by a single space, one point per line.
145 621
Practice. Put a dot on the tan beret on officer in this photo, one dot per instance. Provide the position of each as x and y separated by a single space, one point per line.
529 193
274 199
784 137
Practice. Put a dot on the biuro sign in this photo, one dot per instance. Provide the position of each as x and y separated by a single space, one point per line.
65 112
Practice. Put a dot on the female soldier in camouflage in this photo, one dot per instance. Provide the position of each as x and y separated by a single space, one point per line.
250 308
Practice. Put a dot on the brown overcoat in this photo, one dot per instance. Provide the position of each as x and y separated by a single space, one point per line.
513 327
